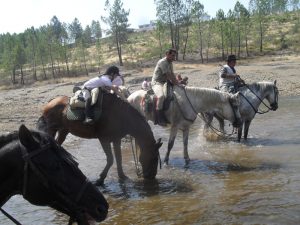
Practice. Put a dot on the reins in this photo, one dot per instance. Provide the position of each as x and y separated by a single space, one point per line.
135 158
215 130
261 101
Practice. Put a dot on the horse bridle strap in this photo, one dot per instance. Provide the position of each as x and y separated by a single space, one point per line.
261 100
28 162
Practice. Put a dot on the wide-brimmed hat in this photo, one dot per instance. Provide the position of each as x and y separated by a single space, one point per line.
231 58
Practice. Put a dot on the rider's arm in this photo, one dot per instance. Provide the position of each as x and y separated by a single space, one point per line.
225 74
172 78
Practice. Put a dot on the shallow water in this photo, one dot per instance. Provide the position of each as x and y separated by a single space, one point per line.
253 182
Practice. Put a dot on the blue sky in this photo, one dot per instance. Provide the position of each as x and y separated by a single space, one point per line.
17 15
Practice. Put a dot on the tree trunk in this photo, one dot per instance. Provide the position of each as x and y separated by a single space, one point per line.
13 75
119 50
22 75
66 61
185 42
52 63
261 36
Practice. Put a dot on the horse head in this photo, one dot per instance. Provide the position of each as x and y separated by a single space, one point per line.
149 160
56 179
234 101
272 96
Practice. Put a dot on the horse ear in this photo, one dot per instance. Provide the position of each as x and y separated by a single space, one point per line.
26 138
275 81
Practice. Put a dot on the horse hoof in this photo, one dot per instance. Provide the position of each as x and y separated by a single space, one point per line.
187 163
99 182
123 177
166 162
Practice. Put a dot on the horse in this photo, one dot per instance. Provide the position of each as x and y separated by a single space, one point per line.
34 165
252 96
184 109
118 118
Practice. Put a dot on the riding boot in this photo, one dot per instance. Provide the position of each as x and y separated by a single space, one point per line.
88 112
161 118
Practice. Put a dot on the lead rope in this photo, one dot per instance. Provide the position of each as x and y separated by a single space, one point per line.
10 217
134 153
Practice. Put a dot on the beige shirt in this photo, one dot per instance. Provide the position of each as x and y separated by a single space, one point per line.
161 71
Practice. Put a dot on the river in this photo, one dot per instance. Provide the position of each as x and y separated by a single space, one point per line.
252 182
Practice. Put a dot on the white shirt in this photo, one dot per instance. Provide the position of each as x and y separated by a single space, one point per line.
117 81
96 82
227 70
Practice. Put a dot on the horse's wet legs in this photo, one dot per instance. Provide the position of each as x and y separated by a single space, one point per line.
246 129
172 137
118 156
185 135
109 161
61 136
240 130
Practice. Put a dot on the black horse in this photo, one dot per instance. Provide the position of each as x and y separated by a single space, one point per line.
34 165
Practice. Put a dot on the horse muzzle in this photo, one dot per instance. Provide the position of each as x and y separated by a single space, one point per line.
274 106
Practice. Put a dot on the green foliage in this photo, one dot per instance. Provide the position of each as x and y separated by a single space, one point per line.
59 49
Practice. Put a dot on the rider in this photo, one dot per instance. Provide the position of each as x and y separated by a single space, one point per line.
163 72
104 81
229 79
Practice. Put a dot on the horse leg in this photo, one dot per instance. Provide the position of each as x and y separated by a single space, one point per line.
118 157
61 136
240 129
173 133
207 117
221 124
109 161
246 129
185 134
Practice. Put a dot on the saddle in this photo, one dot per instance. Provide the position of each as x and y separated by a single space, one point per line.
150 99
76 107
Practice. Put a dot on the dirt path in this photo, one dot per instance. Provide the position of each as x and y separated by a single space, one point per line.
24 105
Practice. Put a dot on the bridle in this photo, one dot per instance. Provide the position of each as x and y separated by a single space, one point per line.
30 166
273 106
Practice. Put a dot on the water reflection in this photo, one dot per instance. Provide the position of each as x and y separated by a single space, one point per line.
253 182
137 189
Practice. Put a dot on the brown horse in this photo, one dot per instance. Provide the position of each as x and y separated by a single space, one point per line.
118 119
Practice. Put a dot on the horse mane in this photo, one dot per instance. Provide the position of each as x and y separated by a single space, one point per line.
14 136
213 94
260 86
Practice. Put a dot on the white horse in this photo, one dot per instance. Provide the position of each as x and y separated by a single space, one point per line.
184 108
252 96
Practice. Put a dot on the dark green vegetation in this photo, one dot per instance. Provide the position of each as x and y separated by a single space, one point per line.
66 50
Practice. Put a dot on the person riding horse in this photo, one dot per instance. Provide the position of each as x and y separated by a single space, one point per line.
106 81
163 72
230 81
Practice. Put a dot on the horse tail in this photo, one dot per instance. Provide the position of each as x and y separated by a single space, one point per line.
42 124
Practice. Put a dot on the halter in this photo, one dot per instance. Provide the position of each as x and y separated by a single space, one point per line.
27 157
273 105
